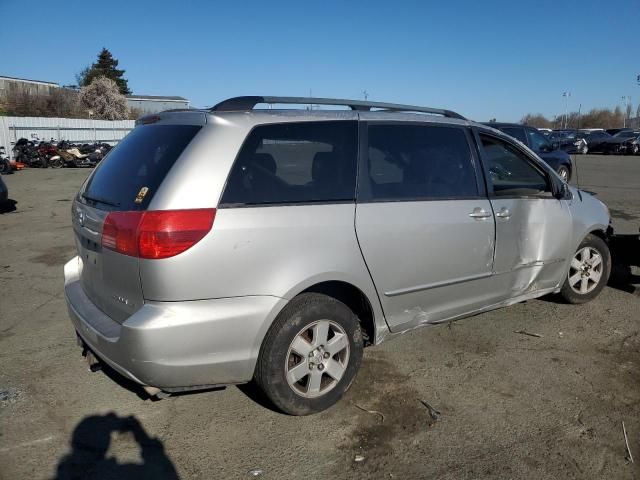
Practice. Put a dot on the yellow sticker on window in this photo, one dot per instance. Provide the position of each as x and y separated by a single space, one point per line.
141 194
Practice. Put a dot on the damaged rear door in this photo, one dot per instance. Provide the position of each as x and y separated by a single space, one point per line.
533 228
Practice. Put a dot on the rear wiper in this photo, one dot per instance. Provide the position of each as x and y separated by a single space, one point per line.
99 200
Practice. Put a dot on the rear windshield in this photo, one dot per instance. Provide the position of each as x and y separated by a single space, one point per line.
132 172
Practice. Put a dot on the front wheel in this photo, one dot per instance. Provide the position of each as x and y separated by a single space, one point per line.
588 272
5 166
310 355
564 173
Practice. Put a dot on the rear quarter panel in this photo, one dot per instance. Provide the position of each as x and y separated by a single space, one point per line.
274 251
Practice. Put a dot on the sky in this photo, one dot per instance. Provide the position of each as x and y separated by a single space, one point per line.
483 58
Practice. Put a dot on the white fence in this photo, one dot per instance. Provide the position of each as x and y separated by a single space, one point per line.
75 130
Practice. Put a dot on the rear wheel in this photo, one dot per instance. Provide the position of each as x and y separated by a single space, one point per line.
588 272
310 355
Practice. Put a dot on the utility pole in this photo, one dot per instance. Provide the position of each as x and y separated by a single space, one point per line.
626 101
566 96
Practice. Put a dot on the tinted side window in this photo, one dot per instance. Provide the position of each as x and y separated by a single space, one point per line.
538 141
141 160
418 161
510 171
295 162
515 132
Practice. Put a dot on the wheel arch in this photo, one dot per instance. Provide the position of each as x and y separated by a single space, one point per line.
358 294
355 299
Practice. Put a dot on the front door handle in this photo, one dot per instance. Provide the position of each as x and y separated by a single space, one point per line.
504 212
479 213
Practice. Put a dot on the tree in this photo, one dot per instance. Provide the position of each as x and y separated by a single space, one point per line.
638 111
103 100
595 118
536 120
104 67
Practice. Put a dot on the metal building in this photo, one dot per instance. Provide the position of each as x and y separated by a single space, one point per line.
35 87
154 104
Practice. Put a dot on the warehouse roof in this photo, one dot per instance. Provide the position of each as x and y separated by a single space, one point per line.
159 98
53 84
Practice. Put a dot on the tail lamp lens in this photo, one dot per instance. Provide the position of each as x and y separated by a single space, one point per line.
156 234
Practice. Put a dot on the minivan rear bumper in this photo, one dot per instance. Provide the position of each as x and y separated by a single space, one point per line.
175 344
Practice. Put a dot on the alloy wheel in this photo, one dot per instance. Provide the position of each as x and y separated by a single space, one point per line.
585 271
317 358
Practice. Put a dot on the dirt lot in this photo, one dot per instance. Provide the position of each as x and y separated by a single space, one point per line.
511 406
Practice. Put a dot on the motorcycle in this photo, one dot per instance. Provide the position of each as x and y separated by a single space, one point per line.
49 153
73 157
26 151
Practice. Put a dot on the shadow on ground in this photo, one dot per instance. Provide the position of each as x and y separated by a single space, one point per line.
625 255
8 206
92 439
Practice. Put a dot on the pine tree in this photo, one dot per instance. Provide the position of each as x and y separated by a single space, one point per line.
106 66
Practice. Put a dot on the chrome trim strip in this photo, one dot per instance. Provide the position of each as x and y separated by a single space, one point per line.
429 286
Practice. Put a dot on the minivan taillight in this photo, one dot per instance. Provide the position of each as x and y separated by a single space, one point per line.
156 234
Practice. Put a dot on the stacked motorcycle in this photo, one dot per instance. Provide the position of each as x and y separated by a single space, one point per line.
42 154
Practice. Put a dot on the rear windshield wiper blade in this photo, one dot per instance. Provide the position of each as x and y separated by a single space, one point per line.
99 200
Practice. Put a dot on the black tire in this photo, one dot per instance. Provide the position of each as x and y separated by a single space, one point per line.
564 172
571 294
5 167
276 354
58 163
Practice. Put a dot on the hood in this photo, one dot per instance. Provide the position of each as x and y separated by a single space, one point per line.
621 140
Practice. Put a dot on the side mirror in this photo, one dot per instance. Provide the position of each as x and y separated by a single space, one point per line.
565 192
555 145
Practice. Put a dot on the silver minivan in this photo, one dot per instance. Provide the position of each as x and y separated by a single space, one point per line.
270 244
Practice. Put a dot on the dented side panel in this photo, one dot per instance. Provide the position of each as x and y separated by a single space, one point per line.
429 259
532 243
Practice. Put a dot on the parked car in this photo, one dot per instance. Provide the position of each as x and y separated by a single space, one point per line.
597 140
624 142
258 266
558 159
571 141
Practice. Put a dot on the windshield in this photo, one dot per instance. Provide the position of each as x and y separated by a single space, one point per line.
132 172
627 134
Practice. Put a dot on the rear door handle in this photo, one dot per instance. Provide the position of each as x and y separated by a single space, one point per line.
479 213
504 212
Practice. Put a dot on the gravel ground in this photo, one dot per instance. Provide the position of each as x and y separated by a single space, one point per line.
510 405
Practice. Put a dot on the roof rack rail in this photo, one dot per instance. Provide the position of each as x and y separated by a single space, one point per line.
249 102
